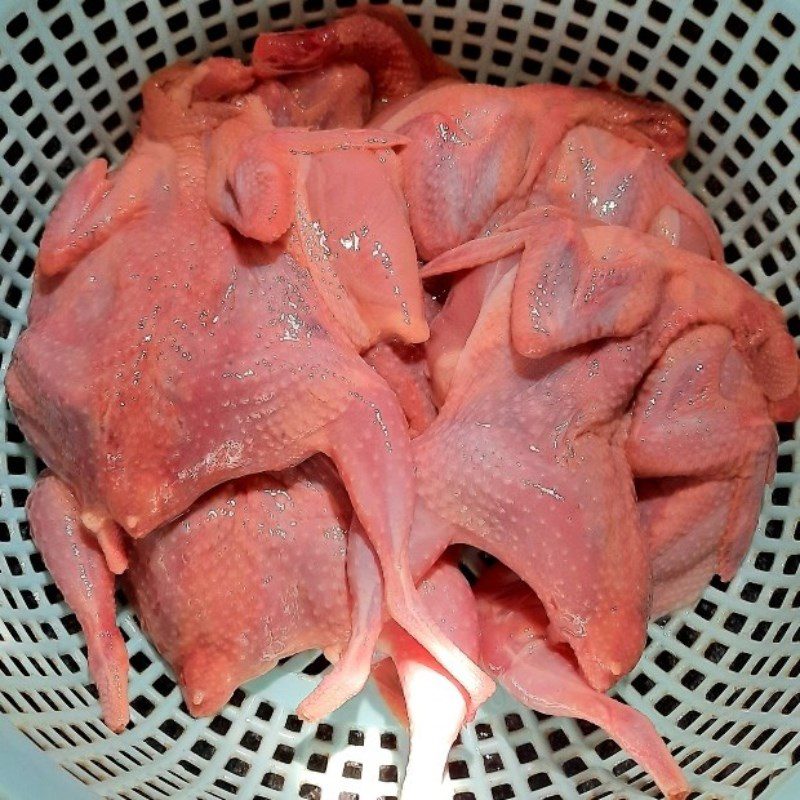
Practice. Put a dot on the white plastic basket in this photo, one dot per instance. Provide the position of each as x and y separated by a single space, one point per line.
720 682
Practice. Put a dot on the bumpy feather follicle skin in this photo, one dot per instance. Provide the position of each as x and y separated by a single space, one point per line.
260 423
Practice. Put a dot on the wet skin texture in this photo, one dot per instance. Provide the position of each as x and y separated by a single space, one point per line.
251 409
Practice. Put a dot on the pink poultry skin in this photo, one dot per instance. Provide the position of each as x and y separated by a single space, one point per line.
249 406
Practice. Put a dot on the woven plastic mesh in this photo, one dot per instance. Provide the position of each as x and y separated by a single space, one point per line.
720 681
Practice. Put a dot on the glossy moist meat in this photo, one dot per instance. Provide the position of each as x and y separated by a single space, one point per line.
254 412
